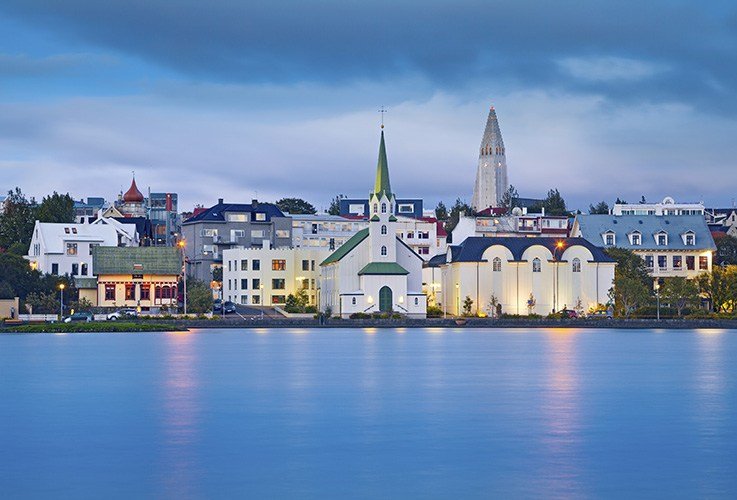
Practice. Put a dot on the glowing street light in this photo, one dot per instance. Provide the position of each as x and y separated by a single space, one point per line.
181 244
61 301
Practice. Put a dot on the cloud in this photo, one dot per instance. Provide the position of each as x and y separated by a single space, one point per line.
608 69
22 65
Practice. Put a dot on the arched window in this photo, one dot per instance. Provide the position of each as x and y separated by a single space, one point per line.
376 207
383 208
353 301
576 265
496 264
535 265
383 229
383 250
417 301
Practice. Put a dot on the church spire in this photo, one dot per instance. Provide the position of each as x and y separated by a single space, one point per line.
382 185
491 174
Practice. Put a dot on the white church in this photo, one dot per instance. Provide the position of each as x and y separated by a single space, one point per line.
374 271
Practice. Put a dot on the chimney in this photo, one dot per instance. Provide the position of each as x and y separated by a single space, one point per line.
254 203
220 201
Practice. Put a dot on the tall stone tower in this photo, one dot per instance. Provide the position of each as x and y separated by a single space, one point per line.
491 175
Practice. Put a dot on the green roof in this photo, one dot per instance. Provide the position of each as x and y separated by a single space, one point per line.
383 268
346 247
392 218
145 260
85 283
382 186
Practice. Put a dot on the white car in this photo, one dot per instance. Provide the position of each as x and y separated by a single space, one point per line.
122 314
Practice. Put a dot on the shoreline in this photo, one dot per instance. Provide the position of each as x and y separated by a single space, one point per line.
471 323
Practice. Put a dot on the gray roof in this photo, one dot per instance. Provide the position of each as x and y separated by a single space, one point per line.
593 227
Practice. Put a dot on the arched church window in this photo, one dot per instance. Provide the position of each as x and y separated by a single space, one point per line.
576 265
383 229
383 208
536 265
383 250
496 264
376 208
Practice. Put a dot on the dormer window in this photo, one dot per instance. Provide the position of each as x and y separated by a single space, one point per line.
689 239
609 238
661 239
636 239
536 265
496 264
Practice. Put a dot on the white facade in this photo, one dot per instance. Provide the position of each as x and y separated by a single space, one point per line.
324 231
491 173
67 248
556 279
266 276
525 225
127 234
667 207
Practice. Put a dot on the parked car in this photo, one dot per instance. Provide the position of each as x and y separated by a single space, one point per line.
567 314
80 316
128 313
217 305
228 307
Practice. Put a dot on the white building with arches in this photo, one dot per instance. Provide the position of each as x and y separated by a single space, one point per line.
524 275
375 271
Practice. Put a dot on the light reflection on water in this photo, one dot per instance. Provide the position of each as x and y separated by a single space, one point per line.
460 413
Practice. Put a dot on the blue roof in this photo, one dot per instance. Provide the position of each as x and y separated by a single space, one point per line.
217 212
472 249
593 227
437 261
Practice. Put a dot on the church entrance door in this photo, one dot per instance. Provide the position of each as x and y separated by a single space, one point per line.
385 299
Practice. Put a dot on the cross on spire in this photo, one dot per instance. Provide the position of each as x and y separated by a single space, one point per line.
382 111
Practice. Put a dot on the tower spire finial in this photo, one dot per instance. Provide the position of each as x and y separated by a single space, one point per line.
382 110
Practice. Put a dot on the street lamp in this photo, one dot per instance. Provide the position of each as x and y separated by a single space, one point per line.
657 298
181 244
458 298
558 246
261 288
61 301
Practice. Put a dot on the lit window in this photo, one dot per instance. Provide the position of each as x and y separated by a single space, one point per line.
536 266
71 249
496 264
703 263
260 216
278 265
576 265
677 262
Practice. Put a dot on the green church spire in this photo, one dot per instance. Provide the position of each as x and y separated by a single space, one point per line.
382 186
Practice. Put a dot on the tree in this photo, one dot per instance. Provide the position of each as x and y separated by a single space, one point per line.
491 306
467 306
441 212
600 208
620 202
6 291
531 303
217 274
720 287
17 220
510 199
632 283
335 205
44 303
680 293
56 208
726 249
554 203
199 296
459 207
295 206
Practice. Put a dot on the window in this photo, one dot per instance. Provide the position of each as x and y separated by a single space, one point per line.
84 269
677 262
576 265
75 269
536 265
662 262
423 235
690 262
66 230
690 239
256 265
405 208
383 250
257 233
305 283
383 208
703 263
130 291
383 229
230 266
145 292
331 244
376 208
609 239
71 249
209 232
74 230
255 300
278 299
649 261
236 233
260 216
282 233
312 265
278 284
305 265
636 239
255 284
278 265
206 249
244 265
244 299
423 250
244 284
55 269
353 301
410 234
110 291
237 217
417 301
92 246
496 265
662 239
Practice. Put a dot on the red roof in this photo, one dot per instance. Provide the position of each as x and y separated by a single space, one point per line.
133 195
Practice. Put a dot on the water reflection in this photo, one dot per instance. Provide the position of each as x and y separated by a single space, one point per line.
180 415
561 407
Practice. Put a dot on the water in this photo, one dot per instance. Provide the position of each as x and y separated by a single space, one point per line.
369 413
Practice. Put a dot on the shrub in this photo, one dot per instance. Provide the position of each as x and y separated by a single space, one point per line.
434 312
311 309
359 315
396 316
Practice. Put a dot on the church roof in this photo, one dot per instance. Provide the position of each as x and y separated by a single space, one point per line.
382 185
133 195
383 268
346 247
472 249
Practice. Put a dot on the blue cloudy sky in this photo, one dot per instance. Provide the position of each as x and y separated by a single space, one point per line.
237 99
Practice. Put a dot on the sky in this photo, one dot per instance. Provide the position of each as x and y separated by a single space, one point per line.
240 100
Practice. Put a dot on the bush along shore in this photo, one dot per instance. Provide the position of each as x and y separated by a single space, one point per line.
94 326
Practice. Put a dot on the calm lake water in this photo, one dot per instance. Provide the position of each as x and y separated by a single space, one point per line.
370 413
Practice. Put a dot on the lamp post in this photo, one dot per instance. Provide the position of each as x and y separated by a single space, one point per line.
261 289
458 298
558 246
181 244
657 299
61 301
